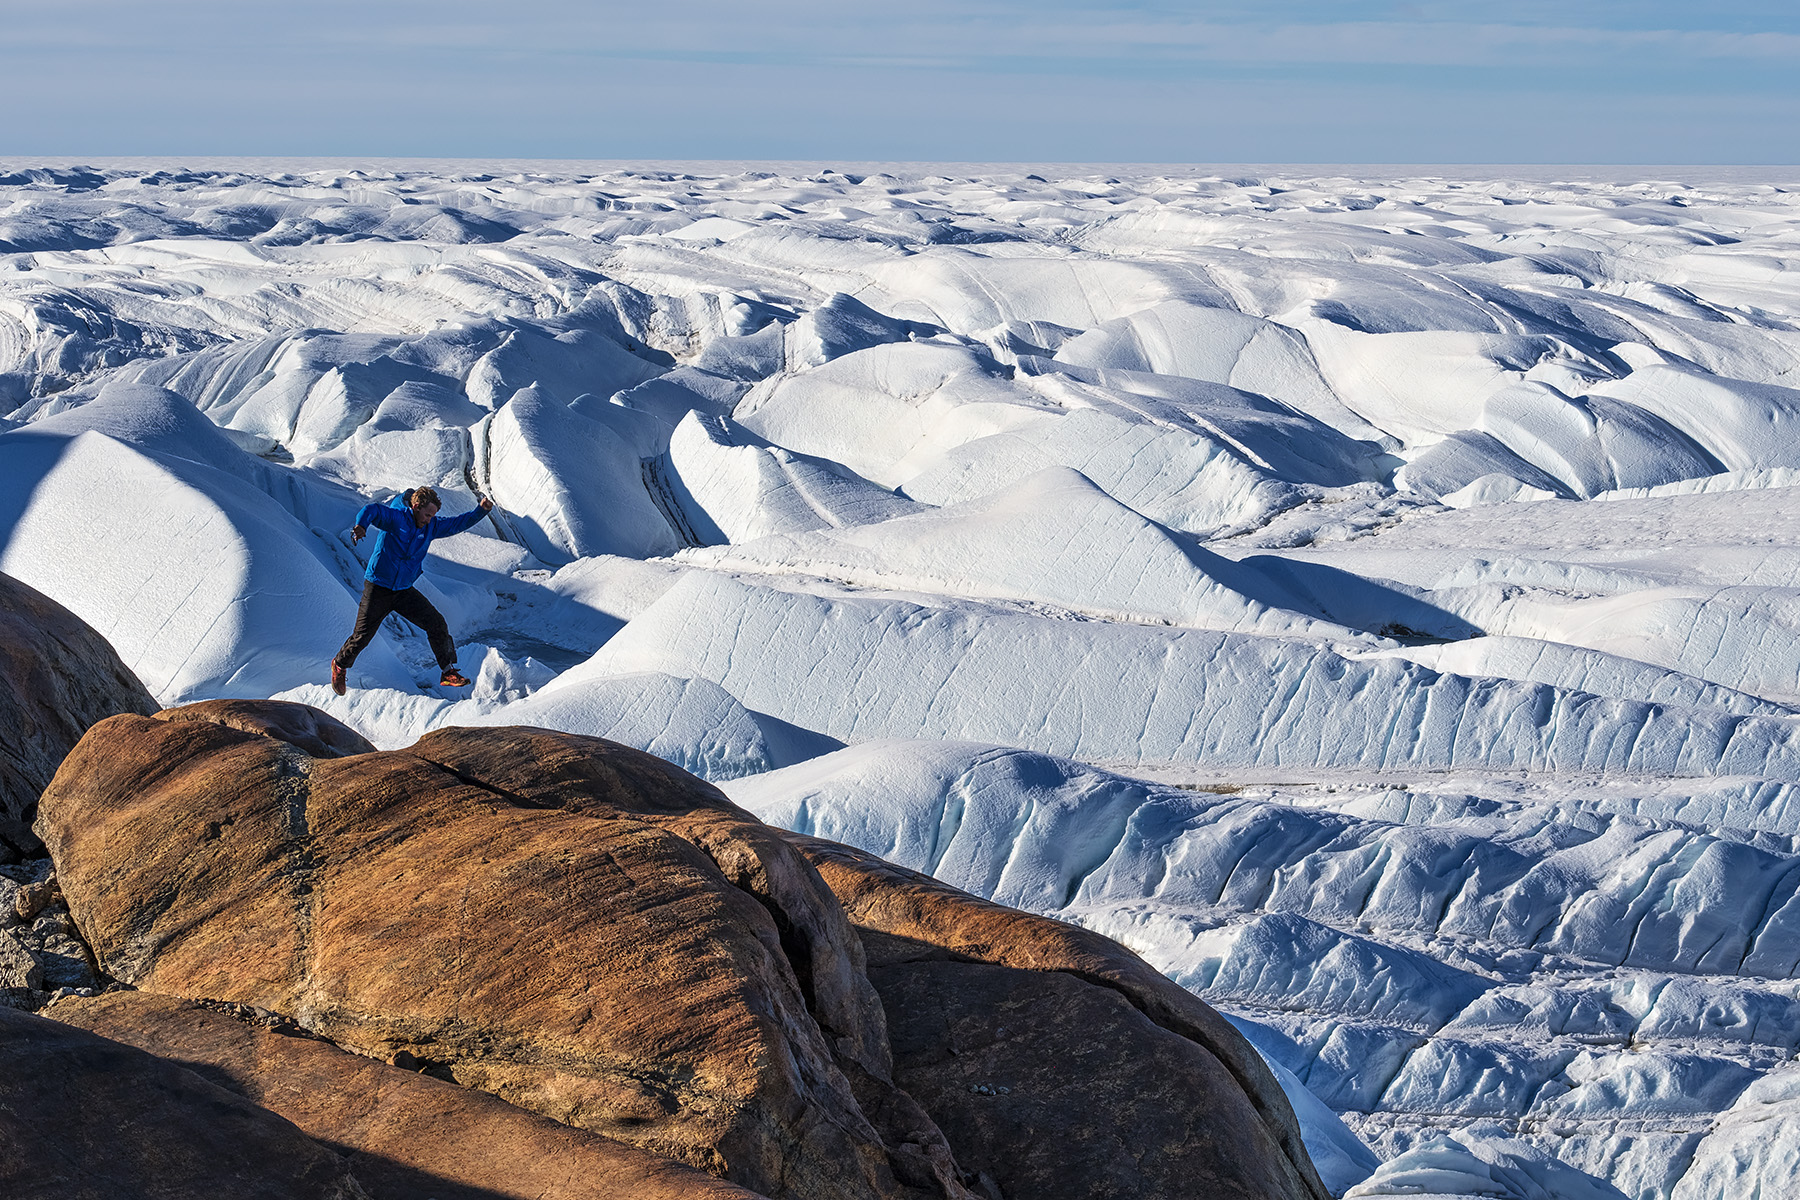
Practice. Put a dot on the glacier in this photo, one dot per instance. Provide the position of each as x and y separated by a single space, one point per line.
1372 597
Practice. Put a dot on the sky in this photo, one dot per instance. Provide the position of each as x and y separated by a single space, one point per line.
1283 81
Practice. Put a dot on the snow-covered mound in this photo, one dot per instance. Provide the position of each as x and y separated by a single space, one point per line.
1054 538
1376 599
733 487
1496 1167
571 486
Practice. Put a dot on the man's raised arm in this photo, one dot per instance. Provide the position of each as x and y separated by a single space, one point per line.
462 521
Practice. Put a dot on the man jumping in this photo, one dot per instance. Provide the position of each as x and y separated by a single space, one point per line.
405 528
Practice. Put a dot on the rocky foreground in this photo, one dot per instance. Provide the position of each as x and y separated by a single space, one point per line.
511 962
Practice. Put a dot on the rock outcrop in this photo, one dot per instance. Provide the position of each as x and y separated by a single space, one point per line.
86 1118
318 734
57 677
590 934
403 1134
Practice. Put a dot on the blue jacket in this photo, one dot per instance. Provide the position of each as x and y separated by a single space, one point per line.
400 545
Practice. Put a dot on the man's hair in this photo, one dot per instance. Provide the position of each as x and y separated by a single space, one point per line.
419 497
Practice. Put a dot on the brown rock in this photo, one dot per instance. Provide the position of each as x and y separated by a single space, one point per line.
85 1118
405 1136
31 900
573 926
1089 1040
57 677
316 733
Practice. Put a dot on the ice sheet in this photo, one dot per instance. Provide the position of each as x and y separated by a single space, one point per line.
1371 595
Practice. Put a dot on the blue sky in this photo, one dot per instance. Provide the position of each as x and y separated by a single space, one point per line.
1578 81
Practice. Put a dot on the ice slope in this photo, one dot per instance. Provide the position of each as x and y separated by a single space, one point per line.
1271 435
1702 584
1494 1167
1578 668
1579 980
570 484
1049 834
888 410
1053 539
1657 424
1483 481
155 421
1218 345
1754 1147
733 487
418 433
204 585
1337 1154
858 669
569 365
1185 480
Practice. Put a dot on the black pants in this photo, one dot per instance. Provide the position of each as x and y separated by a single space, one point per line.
377 603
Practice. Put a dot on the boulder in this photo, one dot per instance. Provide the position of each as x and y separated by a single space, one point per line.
87 1118
57 677
1014 1030
591 934
406 1135
318 734
576 927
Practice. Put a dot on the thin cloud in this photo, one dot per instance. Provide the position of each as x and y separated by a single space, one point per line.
927 37
1418 42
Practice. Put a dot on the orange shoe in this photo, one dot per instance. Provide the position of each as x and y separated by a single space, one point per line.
453 678
338 682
